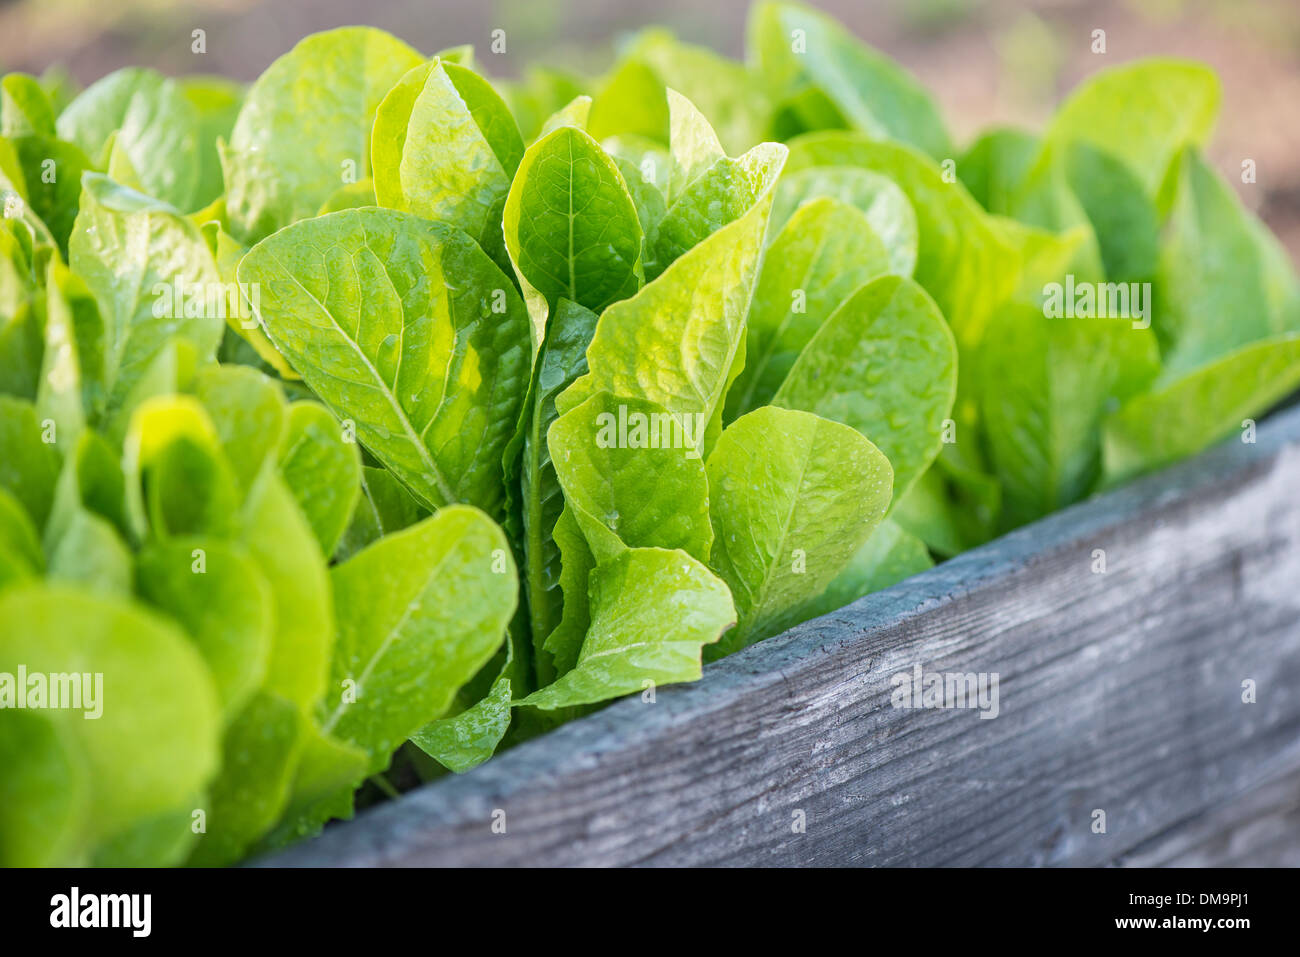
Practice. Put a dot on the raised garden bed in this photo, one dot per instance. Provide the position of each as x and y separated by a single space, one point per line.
1119 691
424 424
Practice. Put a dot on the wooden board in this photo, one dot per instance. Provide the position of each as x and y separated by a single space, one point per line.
1260 829
1119 692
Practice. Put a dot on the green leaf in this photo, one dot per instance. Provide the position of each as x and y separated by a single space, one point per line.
216 102
170 371
217 593
418 614
134 253
821 256
154 743
638 177
322 470
1142 113
888 557
1045 258
384 506
562 360
20 543
24 108
91 480
446 148
652 611
931 513
799 48
178 480
53 167
21 350
726 92
59 86
462 53
90 553
995 166
471 737
392 120
13 568
631 102
541 92
693 146
259 756
58 397
1046 384
435 375
793 497
280 540
118 167
564 642
248 411
632 477
160 840
71 389
962 260
29 465
886 207
45 792
351 196
241 316
289 151
151 121
679 342
34 241
327 773
570 226
1108 158
1222 282
650 157
720 195
885 364
17 280
1045 198
1187 414
574 113
1124 218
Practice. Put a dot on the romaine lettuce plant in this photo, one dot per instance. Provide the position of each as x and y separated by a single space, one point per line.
344 445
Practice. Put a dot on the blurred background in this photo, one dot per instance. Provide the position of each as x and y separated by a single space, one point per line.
986 61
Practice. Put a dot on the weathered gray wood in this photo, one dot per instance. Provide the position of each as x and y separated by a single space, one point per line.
1260 829
1120 692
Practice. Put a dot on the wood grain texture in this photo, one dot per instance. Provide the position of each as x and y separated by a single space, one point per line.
1260 829
1120 692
